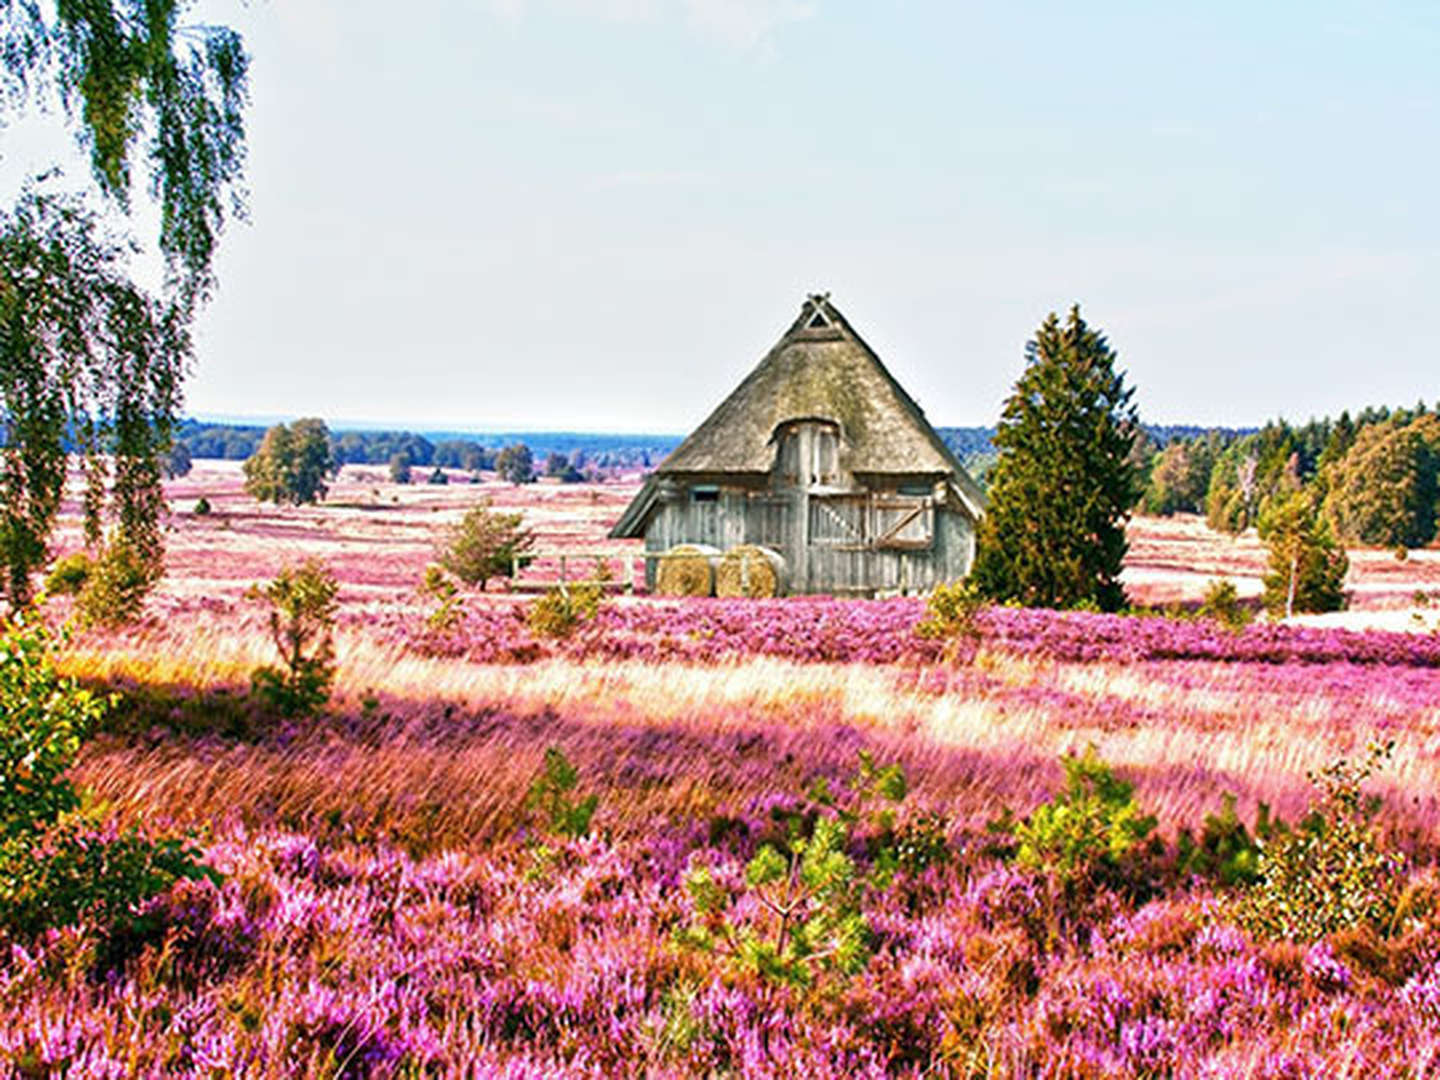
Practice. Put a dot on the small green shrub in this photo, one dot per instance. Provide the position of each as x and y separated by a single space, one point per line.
808 923
450 606
69 574
951 614
559 612
1222 603
58 865
115 589
1225 852
1084 834
202 507
550 794
43 719
485 543
89 876
1331 873
302 622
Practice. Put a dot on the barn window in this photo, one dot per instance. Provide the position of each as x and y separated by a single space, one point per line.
809 453
705 493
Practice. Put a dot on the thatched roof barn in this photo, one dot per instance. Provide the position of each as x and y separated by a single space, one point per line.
820 456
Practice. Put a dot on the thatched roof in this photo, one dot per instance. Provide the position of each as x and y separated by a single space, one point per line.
820 369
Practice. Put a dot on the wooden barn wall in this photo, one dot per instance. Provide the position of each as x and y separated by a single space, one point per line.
777 520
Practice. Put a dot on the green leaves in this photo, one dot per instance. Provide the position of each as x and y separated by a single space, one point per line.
57 866
1306 568
42 721
291 464
810 926
86 358
485 543
1331 873
131 71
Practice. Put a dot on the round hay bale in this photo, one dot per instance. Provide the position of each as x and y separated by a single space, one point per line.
750 571
687 570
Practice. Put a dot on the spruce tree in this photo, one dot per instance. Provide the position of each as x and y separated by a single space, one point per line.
1063 487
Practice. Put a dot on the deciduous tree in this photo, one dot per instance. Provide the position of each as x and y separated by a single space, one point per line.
85 354
291 464
1307 568
516 463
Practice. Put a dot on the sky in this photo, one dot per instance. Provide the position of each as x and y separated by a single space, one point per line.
600 214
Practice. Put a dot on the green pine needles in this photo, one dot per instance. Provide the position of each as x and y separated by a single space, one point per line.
813 925
1064 484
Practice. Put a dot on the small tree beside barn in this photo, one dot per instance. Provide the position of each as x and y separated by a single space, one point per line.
821 459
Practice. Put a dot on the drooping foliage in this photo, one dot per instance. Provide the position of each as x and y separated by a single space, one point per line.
86 358
1062 489
134 72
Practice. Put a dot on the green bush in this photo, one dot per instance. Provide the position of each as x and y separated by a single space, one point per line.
559 612
951 614
302 622
69 574
484 544
1083 835
550 794
115 589
58 865
1222 603
1331 873
91 876
202 507
43 718
808 923
1225 851
450 606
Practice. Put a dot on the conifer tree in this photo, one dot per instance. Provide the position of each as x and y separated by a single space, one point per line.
1063 486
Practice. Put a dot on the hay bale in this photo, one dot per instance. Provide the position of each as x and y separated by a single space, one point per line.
687 570
750 571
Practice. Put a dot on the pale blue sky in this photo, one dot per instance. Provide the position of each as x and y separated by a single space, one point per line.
599 215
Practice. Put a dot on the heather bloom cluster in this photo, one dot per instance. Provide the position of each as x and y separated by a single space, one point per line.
813 629
317 959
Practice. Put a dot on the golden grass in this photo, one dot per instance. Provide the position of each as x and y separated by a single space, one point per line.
463 740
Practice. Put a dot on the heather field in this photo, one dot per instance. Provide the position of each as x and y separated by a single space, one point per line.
392 904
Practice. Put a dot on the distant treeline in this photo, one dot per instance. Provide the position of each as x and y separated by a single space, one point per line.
1374 477
973 445
471 451
451 450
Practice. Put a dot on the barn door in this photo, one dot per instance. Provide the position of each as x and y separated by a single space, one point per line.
839 520
904 523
